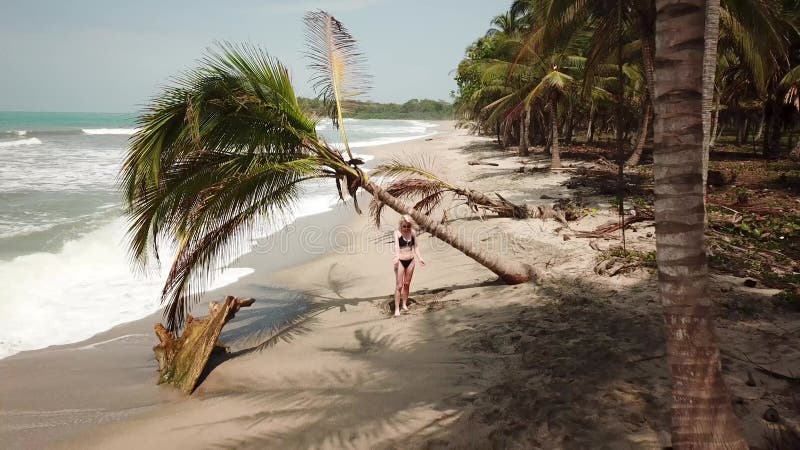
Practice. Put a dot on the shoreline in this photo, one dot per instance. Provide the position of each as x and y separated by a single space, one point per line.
123 354
72 259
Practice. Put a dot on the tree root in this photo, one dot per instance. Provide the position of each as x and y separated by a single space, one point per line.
181 360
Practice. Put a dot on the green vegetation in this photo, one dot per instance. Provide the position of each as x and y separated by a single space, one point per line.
550 72
637 257
424 109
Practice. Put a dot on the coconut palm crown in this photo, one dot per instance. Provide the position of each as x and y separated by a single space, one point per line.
224 148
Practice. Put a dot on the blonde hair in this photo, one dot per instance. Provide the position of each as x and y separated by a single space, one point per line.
405 218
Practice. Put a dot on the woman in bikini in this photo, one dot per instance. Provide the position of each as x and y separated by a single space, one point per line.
405 249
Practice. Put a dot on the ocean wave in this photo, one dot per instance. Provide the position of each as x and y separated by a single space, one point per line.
14 229
15 132
85 288
20 142
125 131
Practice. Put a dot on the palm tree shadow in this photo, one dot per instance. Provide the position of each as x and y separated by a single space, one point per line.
289 315
569 370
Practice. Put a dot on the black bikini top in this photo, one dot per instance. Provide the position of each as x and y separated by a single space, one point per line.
404 243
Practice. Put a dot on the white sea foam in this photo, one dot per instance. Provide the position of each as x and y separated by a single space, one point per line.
387 140
85 288
20 142
54 166
126 131
88 287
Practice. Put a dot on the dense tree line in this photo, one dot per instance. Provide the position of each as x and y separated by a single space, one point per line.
412 109
550 71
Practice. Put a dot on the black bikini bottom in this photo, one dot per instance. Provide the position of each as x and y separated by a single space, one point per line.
406 262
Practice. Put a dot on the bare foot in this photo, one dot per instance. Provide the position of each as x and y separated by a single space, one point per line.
397 313
404 308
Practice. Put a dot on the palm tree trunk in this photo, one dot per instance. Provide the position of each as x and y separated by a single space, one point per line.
710 39
510 271
744 130
525 128
702 416
714 122
645 14
772 130
555 154
543 127
761 124
570 125
590 128
642 138
795 153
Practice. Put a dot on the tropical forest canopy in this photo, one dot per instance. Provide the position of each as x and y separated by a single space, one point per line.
412 109
557 67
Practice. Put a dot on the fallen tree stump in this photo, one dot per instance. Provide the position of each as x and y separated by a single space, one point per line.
182 360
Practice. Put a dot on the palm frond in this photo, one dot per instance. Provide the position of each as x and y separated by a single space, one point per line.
338 65
399 168
223 148
407 188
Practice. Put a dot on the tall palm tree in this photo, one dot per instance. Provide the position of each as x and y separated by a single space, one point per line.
227 147
702 416
508 23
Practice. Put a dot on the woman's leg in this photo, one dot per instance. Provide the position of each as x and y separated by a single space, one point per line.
409 272
400 273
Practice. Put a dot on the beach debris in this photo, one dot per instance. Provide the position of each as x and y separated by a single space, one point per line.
642 214
481 163
614 266
182 360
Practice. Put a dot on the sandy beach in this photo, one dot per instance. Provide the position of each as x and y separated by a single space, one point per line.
575 360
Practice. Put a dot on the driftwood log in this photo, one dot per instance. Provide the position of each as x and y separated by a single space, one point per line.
181 360
603 231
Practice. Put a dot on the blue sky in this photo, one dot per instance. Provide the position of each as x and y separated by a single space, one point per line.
111 56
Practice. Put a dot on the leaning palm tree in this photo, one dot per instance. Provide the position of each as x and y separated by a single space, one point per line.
227 148
702 416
